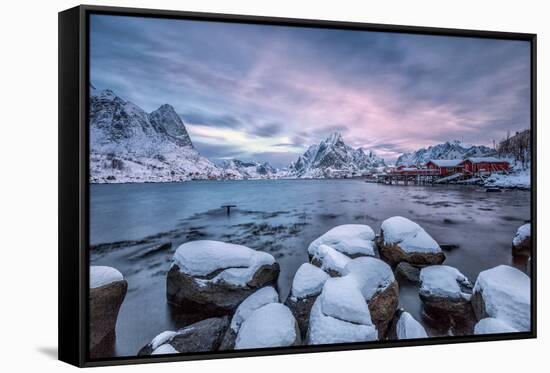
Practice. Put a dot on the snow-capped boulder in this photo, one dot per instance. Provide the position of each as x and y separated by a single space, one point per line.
340 314
406 327
307 285
521 244
446 290
214 277
491 325
402 240
504 293
330 260
107 291
406 271
271 325
353 240
260 298
378 287
202 336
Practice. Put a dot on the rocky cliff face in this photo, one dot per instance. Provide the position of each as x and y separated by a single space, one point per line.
333 157
128 144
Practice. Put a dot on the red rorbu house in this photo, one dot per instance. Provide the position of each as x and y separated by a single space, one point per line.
485 165
445 167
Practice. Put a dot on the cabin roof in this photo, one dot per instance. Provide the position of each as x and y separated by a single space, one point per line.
486 160
445 162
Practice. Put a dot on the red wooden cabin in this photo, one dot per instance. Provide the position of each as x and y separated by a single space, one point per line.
445 167
485 165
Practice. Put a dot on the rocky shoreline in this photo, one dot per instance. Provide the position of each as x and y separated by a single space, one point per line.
348 292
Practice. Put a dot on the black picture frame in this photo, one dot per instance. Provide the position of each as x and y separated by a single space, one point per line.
74 182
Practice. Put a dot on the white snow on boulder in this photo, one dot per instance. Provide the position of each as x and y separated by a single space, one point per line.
523 232
272 325
308 281
331 259
506 293
103 275
238 263
342 299
164 349
443 281
490 325
410 237
325 329
349 239
162 338
258 299
407 327
372 275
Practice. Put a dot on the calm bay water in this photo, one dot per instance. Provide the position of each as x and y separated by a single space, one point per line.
281 217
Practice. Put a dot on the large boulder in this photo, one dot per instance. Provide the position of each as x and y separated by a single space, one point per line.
107 291
202 336
212 277
260 298
445 290
504 293
340 314
307 285
352 240
491 325
402 240
330 260
271 325
405 326
521 244
379 288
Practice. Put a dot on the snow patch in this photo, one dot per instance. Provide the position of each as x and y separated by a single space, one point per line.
331 259
523 232
103 275
165 349
407 327
490 325
308 281
349 239
258 299
372 275
410 236
272 325
342 299
443 281
506 293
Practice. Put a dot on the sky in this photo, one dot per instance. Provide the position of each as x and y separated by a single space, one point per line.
266 93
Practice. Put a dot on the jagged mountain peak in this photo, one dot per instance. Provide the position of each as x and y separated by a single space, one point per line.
452 149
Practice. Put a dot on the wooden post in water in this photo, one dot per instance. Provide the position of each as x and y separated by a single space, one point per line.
228 209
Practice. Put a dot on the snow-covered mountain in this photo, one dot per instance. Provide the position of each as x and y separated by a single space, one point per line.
128 144
448 150
334 158
236 169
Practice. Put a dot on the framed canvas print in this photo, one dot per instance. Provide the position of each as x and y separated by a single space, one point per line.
235 186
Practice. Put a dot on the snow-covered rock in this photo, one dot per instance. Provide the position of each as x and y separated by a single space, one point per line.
129 145
334 158
352 240
325 329
521 244
202 336
448 150
402 240
342 299
445 289
307 285
260 298
329 260
504 293
406 327
378 287
271 325
214 277
107 291
491 325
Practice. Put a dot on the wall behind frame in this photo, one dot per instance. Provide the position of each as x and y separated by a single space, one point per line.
28 147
